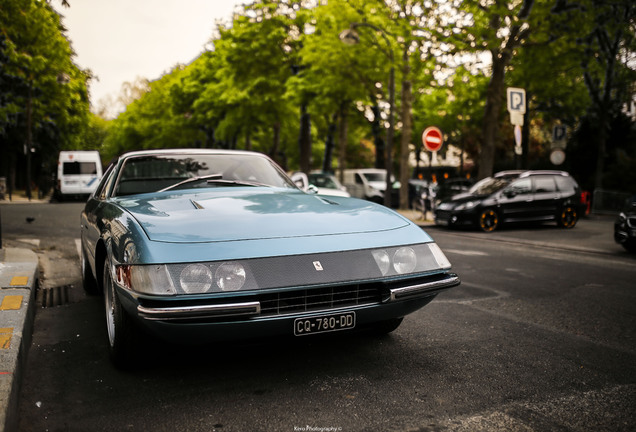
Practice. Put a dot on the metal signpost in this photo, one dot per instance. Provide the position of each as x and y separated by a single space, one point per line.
517 108
559 142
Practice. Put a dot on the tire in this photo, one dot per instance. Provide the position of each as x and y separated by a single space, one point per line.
630 245
88 280
568 217
122 335
488 220
388 326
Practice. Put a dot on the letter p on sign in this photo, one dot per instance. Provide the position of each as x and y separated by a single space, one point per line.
516 100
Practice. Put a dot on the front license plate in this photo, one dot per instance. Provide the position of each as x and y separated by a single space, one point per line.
324 323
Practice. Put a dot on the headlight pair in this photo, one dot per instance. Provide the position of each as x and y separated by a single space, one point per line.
193 278
410 259
198 278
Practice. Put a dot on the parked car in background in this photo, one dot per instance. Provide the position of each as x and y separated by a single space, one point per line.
536 196
625 226
448 188
327 184
202 245
370 184
78 173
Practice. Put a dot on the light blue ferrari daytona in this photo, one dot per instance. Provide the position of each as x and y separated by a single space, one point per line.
208 245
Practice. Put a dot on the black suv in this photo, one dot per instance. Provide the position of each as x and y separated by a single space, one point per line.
625 226
514 196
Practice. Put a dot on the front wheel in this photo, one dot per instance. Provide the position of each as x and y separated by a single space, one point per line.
488 220
630 245
568 217
122 335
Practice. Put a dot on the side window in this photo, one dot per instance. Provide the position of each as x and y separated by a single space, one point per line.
544 184
565 184
358 179
520 187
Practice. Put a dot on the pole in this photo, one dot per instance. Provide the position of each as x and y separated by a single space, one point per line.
389 139
28 144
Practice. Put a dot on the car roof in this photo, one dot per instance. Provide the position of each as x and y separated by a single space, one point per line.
529 173
186 151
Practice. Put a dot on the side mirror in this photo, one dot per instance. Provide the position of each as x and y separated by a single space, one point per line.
300 180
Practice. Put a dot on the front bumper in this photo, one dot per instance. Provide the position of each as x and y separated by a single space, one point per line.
273 314
455 218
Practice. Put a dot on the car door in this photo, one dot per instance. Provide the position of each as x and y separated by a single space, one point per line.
546 197
515 202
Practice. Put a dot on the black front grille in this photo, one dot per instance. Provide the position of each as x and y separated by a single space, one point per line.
316 299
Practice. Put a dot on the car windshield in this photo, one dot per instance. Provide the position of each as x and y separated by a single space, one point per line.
376 177
489 186
153 173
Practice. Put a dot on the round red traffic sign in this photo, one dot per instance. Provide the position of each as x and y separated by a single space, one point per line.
432 138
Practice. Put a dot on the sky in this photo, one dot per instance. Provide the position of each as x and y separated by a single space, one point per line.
123 40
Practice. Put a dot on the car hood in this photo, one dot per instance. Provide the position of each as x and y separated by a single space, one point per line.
254 213
463 197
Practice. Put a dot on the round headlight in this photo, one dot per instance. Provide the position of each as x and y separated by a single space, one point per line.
195 278
382 260
404 260
230 276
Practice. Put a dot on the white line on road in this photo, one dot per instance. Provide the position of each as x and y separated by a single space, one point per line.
466 252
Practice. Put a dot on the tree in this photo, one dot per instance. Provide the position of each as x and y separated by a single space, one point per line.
46 105
608 49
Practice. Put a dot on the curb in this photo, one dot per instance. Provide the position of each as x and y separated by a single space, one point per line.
18 283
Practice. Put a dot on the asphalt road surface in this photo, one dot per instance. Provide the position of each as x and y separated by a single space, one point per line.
540 336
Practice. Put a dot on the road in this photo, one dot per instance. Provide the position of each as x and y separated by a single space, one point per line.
540 336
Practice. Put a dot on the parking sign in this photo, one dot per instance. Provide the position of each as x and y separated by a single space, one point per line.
516 100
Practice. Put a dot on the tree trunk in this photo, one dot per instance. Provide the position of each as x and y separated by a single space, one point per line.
276 143
378 141
491 116
305 140
407 131
342 142
329 144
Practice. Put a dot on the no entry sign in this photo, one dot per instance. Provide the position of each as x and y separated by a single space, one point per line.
432 139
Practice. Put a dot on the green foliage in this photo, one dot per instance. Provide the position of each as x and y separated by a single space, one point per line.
42 90
279 55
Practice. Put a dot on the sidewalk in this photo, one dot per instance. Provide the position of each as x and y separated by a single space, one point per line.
418 217
18 282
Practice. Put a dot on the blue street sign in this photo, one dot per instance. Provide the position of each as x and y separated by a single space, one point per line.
559 132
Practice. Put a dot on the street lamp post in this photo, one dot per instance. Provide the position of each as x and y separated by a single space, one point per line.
351 37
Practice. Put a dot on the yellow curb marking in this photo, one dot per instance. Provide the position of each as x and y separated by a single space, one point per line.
5 337
11 302
19 280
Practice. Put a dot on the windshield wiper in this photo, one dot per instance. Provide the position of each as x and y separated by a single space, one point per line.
213 178
192 180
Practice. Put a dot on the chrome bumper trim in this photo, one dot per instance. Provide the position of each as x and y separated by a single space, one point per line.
423 289
205 311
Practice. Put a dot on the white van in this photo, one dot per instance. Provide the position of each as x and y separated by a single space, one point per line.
78 173
370 184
